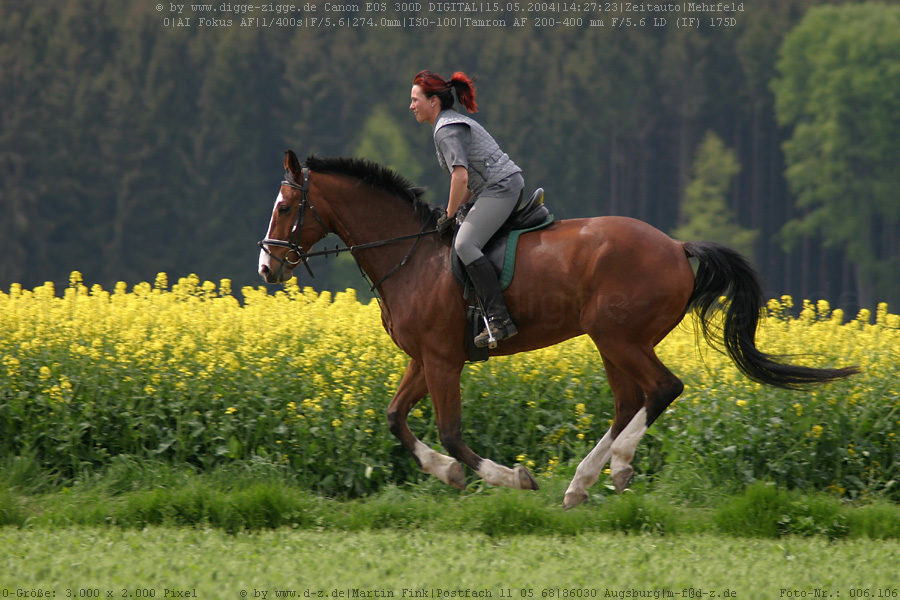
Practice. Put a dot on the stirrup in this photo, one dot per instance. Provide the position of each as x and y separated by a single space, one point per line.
494 332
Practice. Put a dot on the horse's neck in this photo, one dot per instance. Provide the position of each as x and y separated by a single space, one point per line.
361 215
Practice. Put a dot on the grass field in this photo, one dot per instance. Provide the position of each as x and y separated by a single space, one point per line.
222 534
241 500
91 562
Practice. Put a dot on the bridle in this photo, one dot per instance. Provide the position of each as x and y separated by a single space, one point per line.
293 242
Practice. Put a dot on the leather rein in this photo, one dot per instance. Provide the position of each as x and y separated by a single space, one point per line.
293 243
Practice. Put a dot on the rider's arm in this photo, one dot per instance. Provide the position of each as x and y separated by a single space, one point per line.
453 142
459 190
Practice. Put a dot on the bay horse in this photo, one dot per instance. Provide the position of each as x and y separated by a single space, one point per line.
618 280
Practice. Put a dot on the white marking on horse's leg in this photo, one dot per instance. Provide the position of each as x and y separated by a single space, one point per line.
500 476
440 465
588 471
497 475
623 449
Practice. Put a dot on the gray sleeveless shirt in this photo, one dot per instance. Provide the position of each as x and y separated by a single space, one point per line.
487 163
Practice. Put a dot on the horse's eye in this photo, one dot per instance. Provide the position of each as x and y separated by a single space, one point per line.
283 209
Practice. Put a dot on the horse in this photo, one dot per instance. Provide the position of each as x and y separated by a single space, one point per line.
618 280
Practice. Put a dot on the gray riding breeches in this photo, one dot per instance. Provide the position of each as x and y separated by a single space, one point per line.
487 216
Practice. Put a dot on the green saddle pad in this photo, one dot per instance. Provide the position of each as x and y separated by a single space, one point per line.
501 252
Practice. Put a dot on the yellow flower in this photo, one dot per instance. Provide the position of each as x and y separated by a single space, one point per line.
836 489
44 372
230 410
337 423
816 431
12 365
741 403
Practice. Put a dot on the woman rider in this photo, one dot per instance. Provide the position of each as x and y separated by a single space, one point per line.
478 169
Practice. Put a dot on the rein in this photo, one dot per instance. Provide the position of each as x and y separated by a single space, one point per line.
293 244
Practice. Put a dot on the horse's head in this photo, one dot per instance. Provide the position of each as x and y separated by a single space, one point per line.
290 233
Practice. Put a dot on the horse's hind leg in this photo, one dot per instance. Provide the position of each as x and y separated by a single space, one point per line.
588 472
443 385
660 389
628 398
412 389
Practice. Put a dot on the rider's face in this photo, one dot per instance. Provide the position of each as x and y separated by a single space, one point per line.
425 109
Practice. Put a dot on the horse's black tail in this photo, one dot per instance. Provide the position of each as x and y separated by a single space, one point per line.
724 272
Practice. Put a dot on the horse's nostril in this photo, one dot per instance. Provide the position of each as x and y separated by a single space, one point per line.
264 269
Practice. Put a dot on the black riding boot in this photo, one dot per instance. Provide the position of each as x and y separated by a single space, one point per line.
487 286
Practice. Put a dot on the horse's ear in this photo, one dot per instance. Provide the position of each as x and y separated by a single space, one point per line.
292 163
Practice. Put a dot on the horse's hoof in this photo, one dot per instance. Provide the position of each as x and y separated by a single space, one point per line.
573 499
526 481
622 478
455 476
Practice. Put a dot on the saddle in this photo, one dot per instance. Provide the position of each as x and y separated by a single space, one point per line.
501 253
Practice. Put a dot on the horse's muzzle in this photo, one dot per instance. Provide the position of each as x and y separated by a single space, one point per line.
272 269
277 275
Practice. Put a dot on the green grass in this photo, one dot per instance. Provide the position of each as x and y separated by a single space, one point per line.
144 528
81 561
137 495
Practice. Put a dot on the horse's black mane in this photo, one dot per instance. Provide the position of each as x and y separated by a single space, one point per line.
379 177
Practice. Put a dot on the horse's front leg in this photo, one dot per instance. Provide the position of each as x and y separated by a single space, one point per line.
412 389
443 385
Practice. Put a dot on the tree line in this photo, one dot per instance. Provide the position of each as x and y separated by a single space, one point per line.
129 147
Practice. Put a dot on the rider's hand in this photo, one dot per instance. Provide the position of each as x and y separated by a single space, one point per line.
443 225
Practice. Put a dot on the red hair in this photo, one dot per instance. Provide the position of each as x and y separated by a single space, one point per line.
433 84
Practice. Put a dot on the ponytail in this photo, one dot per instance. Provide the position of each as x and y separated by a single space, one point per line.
465 90
433 84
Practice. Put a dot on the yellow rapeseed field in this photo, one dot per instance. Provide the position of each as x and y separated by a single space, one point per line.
188 373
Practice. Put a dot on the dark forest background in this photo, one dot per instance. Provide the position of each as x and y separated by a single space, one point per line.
129 148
